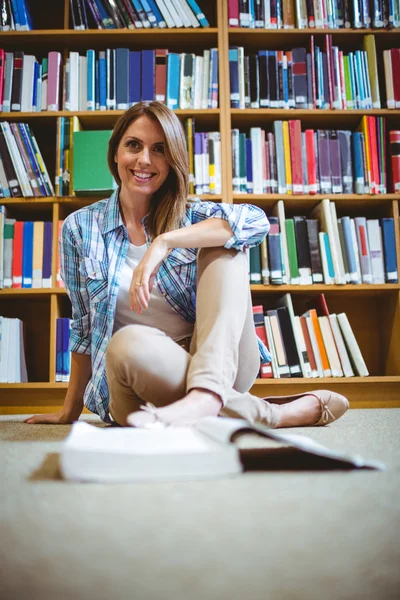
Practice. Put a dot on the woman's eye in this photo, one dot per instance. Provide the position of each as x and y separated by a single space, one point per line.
160 149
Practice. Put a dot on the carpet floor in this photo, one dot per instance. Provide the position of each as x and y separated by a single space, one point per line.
261 535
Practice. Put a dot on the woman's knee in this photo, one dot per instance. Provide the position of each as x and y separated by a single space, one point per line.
128 343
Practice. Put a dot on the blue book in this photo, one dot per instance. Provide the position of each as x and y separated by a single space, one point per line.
331 270
213 87
97 86
359 79
285 85
66 356
35 86
234 76
149 13
275 252
148 75
249 166
135 78
17 18
122 78
27 255
39 88
102 80
25 14
358 166
47 254
91 79
389 250
59 353
173 80
352 81
32 157
348 243
159 18
142 14
198 13
105 17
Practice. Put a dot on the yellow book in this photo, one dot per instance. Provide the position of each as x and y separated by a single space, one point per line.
387 64
74 126
37 263
189 141
370 49
364 130
211 164
286 147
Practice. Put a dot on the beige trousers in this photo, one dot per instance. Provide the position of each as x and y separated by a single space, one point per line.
143 364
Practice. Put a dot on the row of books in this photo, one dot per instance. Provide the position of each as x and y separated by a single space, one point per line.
318 78
15 15
319 14
136 14
113 79
26 250
12 352
22 168
291 161
321 248
63 355
315 344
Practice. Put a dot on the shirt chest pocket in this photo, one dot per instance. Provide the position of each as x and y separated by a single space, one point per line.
96 275
183 261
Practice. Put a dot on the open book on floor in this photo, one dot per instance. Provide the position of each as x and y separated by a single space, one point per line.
211 448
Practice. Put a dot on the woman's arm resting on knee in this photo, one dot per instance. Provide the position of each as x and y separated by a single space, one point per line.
81 371
209 233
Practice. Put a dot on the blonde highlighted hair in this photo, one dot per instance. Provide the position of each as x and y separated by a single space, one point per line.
168 205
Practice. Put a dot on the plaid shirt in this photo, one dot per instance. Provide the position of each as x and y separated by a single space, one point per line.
93 247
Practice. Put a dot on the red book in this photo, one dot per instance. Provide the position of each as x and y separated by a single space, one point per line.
395 56
161 74
373 149
296 156
2 58
258 316
329 59
311 162
233 13
17 254
394 140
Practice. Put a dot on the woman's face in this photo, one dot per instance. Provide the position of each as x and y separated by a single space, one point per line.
140 159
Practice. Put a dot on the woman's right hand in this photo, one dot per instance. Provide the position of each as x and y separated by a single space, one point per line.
57 418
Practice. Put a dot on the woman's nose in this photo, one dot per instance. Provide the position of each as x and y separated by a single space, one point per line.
144 156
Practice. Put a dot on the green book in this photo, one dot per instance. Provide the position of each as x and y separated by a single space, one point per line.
255 265
91 175
347 83
292 252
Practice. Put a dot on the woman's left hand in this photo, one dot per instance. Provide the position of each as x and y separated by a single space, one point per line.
144 274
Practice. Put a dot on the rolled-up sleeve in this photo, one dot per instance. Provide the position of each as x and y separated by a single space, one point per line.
249 223
75 285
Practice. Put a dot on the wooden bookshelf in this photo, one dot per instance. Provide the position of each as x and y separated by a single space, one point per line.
374 310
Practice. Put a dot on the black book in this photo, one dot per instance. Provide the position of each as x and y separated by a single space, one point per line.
7 22
76 14
115 14
309 81
290 343
254 81
263 78
273 80
16 90
124 14
95 13
247 81
303 251
9 170
259 13
313 245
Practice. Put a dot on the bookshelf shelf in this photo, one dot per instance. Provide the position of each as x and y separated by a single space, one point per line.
374 309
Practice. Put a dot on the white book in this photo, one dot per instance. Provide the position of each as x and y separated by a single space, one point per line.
279 211
255 136
174 13
182 13
271 348
304 358
198 82
12 351
217 158
3 180
352 345
341 347
193 21
203 451
345 277
22 374
206 78
198 170
206 166
267 15
165 13
322 212
4 345
28 75
355 248
22 175
376 251
73 102
82 83
329 342
315 347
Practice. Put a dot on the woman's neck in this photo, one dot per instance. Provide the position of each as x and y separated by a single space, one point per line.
133 210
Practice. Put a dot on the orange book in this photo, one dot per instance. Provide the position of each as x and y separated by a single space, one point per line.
320 342
288 14
365 130
288 166
374 154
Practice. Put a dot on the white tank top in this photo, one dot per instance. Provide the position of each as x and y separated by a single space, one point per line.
158 314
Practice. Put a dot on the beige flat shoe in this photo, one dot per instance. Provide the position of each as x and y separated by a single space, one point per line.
333 405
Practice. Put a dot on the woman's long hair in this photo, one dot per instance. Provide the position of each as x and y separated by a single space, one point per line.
168 205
